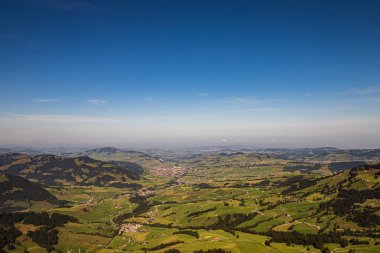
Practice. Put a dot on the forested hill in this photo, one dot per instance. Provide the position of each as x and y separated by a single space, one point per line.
17 193
54 170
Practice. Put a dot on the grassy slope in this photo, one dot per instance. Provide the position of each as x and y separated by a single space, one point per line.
96 206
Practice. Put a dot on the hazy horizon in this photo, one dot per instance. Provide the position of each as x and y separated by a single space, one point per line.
147 146
286 74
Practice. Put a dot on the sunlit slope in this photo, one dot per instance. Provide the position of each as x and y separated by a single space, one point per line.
125 156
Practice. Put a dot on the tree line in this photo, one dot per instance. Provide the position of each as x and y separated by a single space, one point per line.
46 236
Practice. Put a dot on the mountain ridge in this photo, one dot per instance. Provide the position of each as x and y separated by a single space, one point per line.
52 170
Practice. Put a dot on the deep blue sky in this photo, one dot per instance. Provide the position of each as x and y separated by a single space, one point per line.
161 72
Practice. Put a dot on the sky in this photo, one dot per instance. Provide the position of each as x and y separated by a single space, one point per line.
166 73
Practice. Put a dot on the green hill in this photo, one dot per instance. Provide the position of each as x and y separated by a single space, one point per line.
138 161
54 170
17 193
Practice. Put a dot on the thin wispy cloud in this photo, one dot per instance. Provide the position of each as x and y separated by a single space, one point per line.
148 99
245 101
61 118
58 118
242 104
97 101
202 94
355 100
44 100
309 94
278 110
366 90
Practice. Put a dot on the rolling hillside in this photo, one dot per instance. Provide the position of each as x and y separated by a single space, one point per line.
53 170
17 193
229 200
124 157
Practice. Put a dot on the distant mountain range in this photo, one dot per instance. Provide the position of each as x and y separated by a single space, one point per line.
150 157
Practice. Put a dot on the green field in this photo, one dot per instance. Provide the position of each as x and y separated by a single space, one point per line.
213 201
